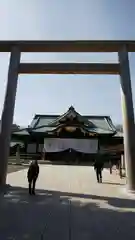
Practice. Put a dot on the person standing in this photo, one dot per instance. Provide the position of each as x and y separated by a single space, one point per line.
32 176
110 166
98 166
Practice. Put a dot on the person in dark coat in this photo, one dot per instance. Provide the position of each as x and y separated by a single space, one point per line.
98 166
32 176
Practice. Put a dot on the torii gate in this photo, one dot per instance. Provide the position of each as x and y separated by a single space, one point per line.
121 68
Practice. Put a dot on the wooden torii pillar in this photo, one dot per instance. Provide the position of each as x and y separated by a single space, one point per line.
121 68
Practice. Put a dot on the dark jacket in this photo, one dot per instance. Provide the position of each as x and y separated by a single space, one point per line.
33 172
98 166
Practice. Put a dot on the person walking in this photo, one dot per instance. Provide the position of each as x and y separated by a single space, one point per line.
98 166
110 166
32 176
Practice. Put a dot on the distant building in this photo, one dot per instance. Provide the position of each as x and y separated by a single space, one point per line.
14 143
70 136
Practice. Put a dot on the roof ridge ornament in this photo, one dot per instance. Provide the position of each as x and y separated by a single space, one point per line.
71 108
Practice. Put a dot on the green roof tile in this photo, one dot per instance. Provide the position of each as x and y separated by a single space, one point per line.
42 120
21 132
101 123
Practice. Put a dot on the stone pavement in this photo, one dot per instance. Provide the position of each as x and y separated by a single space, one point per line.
69 205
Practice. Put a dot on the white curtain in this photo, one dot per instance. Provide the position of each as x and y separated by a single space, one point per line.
80 145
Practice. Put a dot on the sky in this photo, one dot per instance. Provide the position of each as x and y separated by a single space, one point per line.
66 20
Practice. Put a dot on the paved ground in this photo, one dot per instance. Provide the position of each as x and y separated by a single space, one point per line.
15 168
69 205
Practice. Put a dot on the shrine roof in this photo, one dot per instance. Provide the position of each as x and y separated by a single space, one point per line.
50 123
21 132
44 123
119 134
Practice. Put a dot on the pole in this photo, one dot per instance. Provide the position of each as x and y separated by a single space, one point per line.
8 112
128 117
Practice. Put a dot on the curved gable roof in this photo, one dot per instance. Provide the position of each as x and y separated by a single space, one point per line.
99 123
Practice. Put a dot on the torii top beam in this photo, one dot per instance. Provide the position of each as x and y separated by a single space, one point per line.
68 46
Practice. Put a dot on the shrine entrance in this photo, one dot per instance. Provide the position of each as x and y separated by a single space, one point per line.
121 68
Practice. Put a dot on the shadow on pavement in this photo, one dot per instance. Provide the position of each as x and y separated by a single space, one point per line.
64 216
113 183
